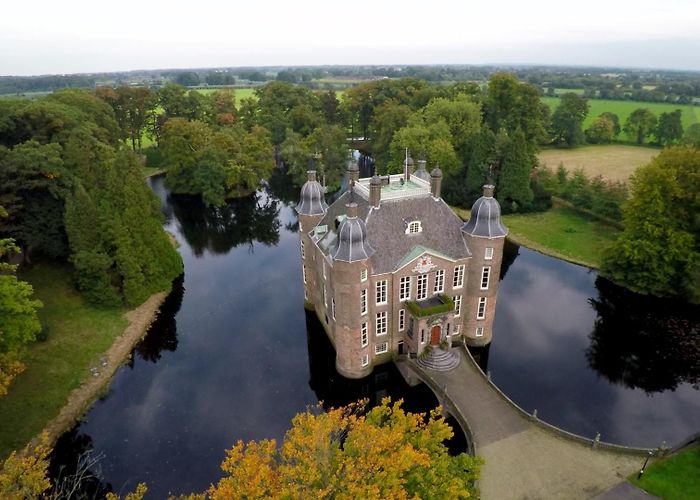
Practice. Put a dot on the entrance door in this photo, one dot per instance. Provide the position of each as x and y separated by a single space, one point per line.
435 335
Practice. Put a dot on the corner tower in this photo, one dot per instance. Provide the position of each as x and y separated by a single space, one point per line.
311 209
485 235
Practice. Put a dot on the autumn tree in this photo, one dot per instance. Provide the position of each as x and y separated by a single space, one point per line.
658 252
640 124
24 476
347 453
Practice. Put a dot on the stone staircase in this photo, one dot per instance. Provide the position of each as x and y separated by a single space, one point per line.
439 360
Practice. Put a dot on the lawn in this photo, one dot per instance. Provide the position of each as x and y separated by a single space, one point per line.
563 232
615 162
78 334
673 478
690 114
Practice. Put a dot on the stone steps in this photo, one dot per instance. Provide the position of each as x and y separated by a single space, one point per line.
439 360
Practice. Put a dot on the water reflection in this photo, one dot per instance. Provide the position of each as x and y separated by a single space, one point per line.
644 342
162 334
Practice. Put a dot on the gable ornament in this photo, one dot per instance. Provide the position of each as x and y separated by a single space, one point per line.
424 265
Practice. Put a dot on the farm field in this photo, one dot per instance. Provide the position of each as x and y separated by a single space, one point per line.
614 162
691 114
241 93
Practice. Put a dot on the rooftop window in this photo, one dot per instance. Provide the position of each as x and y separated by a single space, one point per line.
414 227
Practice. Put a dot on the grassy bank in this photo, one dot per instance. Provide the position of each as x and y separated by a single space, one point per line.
674 478
615 162
78 334
563 232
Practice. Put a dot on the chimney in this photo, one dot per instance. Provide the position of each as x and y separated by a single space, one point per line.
488 191
375 191
351 210
435 182
311 175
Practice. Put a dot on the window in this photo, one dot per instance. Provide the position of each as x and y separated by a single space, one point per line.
439 281
363 301
414 227
489 253
303 273
456 330
447 334
363 275
380 324
381 292
422 287
458 305
485 273
324 269
458 279
422 336
481 311
365 359
405 288
381 348
302 249
325 298
333 308
402 319
479 331
364 338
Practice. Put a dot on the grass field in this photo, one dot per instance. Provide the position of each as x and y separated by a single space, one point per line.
674 478
78 334
564 233
691 114
241 93
615 162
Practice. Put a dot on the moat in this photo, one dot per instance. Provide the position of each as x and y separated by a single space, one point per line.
233 354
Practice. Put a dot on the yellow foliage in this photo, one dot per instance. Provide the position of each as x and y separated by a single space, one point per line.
141 490
24 476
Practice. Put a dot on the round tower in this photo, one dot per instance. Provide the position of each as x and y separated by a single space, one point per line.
311 209
351 269
485 235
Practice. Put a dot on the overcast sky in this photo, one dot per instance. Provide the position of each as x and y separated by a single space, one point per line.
71 36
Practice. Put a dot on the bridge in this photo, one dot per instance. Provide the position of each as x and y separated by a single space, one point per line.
524 458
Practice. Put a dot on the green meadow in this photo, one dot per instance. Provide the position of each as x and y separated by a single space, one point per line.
690 113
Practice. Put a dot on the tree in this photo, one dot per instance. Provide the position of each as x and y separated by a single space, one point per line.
640 124
692 135
568 118
601 131
132 108
343 453
187 79
669 128
658 252
19 322
330 105
434 140
615 121
514 168
328 146
25 476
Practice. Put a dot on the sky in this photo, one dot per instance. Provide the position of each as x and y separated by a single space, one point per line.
79 36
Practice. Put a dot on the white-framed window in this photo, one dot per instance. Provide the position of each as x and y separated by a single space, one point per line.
455 331
458 305
380 324
364 336
324 269
422 290
405 288
302 249
333 308
363 301
479 331
485 274
363 275
447 333
458 278
365 359
325 298
381 348
303 273
414 227
488 254
481 311
439 281
381 292
402 319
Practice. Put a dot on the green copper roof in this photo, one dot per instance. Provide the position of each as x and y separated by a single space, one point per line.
416 252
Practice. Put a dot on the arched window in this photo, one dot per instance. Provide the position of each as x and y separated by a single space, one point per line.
414 227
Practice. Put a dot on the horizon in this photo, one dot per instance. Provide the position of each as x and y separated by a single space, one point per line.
82 38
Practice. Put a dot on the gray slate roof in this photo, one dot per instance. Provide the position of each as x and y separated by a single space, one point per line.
351 241
312 201
485 220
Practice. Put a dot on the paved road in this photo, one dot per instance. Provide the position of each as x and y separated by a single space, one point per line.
523 460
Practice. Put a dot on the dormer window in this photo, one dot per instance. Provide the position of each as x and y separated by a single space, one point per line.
414 227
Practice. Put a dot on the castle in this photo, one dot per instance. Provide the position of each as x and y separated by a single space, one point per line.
390 269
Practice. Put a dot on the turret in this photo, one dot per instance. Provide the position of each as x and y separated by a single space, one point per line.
485 236
311 209
375 191
312 201
435 182
422 173
351 261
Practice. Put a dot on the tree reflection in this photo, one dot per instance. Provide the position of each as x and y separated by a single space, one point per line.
644 342
219 229
74 470
162 334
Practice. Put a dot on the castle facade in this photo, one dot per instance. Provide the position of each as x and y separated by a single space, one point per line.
390 269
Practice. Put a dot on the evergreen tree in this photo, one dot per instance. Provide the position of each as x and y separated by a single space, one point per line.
515 166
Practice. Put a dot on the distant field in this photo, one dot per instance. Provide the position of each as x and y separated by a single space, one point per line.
614 162
241 93
691 114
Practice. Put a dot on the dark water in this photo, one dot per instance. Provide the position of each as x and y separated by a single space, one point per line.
233 355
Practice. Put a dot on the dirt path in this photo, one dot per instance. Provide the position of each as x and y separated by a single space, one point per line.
80 400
